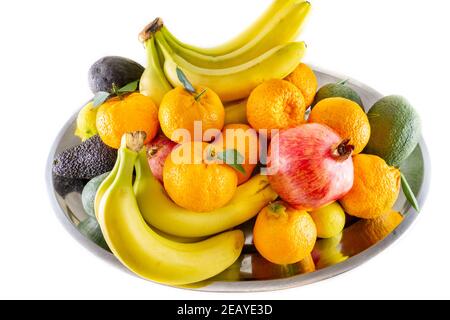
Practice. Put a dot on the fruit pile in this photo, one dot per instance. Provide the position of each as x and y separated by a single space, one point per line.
179 155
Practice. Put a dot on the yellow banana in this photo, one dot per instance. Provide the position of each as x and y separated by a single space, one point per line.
246 36
284 27
161 212
237 82
104 186
236 112
153 81
148 254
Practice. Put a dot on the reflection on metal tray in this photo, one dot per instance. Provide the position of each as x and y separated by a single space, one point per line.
251 272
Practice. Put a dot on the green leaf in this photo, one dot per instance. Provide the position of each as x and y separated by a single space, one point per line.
277 207
233 158
185 81
131 87
343 82
100 98
200 95
409 194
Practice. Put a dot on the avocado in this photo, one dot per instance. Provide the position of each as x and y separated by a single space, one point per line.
64 186
85 161
90 228
334 90
89 192
396 130
117 70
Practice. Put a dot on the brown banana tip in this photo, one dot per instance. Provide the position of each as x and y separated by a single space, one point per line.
134 141
150 29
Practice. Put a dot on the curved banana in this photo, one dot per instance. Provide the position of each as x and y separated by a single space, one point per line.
105 185
284 27
161 212
246 36
237 82
148 254
236 112
153 81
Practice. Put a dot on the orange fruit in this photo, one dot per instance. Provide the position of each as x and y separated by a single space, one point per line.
195 183
276 104
365 233
284 235
375 188
244 139
179 109
346 118
121 115
304 78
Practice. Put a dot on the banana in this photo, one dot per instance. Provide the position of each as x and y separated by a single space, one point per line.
161 212
153 81
142 250
236 112
105 185
284 27
237 82
245 37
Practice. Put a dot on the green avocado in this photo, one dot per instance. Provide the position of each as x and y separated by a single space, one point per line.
341 90
89 192
91 229
396 130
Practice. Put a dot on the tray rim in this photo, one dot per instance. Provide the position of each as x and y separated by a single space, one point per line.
254 285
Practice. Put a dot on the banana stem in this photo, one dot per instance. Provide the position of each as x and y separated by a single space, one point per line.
150 29
134 141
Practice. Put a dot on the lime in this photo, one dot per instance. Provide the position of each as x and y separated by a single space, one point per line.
337 90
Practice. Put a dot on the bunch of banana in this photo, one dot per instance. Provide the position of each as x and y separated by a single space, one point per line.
145 251
161 212
264 51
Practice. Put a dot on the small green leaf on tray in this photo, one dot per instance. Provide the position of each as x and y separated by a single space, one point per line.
409 194
185 81
131 87
100 98
232 158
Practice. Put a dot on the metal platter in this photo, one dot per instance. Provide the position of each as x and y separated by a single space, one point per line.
251 272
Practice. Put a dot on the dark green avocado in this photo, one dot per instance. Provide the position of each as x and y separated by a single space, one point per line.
85 161
117 70
64 186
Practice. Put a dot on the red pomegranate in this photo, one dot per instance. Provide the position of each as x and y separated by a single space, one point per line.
310 166
157 152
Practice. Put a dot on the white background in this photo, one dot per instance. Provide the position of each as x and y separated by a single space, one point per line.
46 49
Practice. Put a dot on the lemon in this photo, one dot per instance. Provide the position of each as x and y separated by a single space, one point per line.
86 120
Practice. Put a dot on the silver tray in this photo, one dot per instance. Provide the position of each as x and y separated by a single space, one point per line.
243 275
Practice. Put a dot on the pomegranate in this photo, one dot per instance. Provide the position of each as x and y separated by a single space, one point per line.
157 152
310 166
